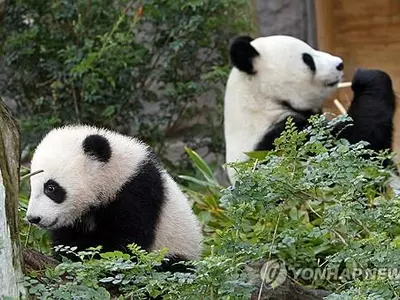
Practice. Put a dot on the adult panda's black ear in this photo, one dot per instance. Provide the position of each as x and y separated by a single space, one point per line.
242 54
98 147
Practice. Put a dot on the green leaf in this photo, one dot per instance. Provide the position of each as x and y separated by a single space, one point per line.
200 164
198 181
109 111
107 279
260 155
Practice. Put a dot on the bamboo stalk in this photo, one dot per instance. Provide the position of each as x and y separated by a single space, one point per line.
344 85
339 106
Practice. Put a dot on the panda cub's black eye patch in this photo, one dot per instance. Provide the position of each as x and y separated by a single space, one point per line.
309 61
54 191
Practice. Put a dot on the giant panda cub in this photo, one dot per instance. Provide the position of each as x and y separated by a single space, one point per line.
277 77
99 187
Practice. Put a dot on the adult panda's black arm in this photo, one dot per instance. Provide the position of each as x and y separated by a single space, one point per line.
372 110
267 141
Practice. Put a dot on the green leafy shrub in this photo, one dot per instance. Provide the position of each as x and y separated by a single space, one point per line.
134 276
318 203
311 203
148 68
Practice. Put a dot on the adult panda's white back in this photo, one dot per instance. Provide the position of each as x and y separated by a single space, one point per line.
272 78
103 188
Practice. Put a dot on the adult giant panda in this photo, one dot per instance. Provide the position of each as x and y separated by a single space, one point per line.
99 187
277 77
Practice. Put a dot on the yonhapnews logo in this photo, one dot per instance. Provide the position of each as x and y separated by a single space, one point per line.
273 273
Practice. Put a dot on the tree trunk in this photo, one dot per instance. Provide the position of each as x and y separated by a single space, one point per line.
2 9
10 254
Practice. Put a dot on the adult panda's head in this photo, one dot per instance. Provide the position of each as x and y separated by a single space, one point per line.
83 168
285 68
272 78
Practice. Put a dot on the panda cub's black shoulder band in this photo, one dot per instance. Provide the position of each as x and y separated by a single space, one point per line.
98 147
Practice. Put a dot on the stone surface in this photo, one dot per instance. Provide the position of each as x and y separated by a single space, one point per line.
295 18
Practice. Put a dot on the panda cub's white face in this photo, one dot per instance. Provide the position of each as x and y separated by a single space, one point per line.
82 168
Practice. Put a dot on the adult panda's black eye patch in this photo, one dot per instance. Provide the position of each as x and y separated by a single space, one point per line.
309 61
54 191
98 147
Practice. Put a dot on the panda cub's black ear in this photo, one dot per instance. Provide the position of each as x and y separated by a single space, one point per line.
97 147
242 54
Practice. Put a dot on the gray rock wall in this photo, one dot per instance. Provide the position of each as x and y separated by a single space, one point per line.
289 17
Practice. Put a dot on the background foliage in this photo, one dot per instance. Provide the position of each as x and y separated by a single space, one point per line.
155 69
